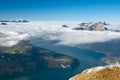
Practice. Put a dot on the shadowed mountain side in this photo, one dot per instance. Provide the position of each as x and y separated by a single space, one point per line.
25 56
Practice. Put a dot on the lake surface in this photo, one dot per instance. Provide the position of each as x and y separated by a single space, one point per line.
86 57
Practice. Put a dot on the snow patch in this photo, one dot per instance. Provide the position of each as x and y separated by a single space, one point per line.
95 69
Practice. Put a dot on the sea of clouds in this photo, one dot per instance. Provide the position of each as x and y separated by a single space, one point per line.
12 33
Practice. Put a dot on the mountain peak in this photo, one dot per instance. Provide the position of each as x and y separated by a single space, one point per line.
91 26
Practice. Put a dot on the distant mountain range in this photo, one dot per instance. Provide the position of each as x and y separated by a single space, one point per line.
19 20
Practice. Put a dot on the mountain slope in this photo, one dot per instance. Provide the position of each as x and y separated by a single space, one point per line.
24 56
110 72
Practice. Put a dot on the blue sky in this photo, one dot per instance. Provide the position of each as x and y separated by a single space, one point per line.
61 10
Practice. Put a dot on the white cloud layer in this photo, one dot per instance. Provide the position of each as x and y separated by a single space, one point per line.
14 32
9 38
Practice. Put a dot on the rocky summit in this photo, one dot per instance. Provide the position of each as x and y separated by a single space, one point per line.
98 26
110 72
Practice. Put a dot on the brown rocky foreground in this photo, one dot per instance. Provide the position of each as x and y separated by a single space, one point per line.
110 72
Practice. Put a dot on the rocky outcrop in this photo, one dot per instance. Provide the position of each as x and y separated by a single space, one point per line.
65 26
110 72
99 26
3 23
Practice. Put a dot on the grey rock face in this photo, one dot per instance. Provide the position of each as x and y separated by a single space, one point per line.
99 26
